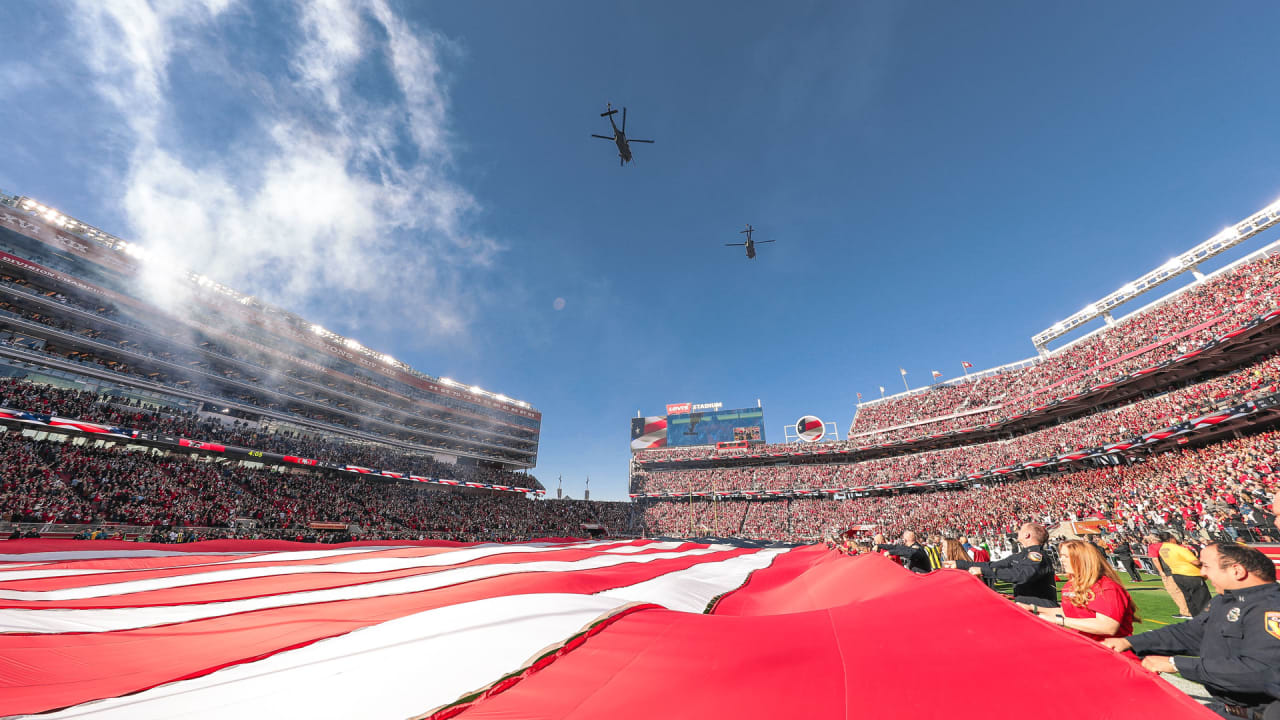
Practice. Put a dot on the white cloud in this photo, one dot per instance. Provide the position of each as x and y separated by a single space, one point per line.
338 192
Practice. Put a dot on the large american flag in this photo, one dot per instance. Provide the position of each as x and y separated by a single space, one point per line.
608 629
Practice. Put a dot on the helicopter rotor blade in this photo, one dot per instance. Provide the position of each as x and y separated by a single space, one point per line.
644 141
624 119
602 137
735 244
758 242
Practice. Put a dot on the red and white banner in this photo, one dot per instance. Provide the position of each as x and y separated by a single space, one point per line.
224 629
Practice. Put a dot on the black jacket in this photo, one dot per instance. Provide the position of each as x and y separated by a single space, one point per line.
1233 650
1030 571
917 558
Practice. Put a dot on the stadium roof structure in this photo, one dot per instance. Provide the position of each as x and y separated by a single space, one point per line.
139 252
1190 260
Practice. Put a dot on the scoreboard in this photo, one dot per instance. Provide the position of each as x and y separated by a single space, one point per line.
709 428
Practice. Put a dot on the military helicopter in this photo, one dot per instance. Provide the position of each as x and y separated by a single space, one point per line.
750 244
619 135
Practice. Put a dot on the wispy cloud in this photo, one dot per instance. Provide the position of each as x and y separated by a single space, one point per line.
337 195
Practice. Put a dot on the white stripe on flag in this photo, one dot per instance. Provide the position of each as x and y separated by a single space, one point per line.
109 619
72 555
411 665
665 545
8 574
369 565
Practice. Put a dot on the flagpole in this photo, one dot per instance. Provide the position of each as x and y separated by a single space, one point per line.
965 367
904 379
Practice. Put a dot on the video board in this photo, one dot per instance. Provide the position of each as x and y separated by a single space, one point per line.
711 427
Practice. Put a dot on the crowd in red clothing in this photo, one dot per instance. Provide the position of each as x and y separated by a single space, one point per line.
1212 491
1146 339
1258 379
91 407
1255 380
51 482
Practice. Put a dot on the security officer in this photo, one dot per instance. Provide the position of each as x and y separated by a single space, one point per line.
913 552
1030 571
1230 648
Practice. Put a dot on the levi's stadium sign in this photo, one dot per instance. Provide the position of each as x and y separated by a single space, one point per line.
686 408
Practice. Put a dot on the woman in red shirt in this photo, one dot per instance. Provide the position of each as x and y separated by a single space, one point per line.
1094 601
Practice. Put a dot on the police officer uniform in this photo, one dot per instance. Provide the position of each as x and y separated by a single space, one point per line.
915 555
1030 571
1228 649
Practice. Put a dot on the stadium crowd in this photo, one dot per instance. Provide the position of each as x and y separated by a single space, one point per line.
91 407
1208 492
51 482
1178 325
1256 380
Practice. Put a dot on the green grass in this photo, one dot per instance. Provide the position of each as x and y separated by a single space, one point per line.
1155 607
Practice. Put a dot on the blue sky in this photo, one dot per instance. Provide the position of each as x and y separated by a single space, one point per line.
943 180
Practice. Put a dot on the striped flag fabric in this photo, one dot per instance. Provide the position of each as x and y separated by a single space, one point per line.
550 629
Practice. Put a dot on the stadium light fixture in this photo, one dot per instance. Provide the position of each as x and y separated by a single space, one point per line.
476 389
1227 234
1128 288
1173 264
319 330
388 360
353 344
